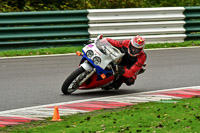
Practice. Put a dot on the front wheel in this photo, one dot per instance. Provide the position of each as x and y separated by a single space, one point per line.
71 84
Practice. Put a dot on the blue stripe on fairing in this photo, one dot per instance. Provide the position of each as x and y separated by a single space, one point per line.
98 68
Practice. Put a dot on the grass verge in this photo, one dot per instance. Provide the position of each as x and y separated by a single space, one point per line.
44 51
182 116
64 50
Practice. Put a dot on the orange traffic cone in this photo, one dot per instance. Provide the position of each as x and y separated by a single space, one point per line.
56 116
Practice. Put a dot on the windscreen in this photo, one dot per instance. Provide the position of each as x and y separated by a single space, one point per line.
101 44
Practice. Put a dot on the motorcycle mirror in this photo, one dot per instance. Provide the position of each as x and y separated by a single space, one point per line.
99 37
90 41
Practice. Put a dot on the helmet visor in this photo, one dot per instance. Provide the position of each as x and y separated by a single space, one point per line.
133 50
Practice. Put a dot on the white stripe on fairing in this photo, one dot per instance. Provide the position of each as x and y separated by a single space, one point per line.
7 112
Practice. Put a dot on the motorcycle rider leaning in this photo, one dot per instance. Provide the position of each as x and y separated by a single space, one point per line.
133 62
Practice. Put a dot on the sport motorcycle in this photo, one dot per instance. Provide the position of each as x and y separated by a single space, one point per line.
98 68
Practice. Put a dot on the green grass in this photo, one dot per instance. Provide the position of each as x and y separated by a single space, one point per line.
45 51
170 45
64 50
182 116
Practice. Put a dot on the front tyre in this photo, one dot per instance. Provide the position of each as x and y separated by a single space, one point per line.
71 84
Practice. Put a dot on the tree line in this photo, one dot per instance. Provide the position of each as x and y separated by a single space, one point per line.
49 5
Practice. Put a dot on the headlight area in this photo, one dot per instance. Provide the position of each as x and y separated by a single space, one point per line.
97 60
89 54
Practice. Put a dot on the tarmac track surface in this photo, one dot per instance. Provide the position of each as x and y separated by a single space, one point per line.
26 82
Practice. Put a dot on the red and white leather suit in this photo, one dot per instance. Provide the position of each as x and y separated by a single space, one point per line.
132 64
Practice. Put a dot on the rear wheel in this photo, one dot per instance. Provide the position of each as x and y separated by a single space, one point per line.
71 84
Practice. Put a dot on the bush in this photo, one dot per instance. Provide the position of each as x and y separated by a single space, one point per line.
44 5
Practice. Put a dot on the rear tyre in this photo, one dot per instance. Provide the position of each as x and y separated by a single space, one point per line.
71 83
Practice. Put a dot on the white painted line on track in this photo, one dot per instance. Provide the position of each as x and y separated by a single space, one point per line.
174 48
36 56
109 98
189 87
57 55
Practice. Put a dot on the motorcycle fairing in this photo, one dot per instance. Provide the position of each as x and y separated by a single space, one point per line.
99 70
94 83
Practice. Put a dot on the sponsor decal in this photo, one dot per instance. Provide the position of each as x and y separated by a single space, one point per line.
90 45
97 53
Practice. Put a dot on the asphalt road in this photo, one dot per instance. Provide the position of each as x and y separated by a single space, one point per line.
37 81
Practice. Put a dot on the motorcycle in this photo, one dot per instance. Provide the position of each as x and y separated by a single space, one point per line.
98 67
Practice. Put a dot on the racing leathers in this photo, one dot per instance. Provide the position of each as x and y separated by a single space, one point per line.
132 65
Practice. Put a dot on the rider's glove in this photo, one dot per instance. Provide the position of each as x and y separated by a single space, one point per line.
121 70
142 69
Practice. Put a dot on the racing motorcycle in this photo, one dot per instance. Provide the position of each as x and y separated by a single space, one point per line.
98 67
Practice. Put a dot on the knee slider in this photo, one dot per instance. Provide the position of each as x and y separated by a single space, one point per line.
130 81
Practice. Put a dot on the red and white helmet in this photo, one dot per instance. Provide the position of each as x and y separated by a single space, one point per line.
136 45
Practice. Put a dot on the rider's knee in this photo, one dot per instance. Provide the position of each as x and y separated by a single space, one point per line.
129 81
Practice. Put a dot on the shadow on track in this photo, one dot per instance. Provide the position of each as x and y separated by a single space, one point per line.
100 93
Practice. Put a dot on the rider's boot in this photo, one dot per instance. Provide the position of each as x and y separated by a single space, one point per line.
118 83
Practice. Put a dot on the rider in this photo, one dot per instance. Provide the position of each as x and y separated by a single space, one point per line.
133 62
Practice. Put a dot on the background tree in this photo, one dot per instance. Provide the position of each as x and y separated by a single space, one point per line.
47 5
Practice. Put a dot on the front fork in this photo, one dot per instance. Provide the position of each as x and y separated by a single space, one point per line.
87 77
